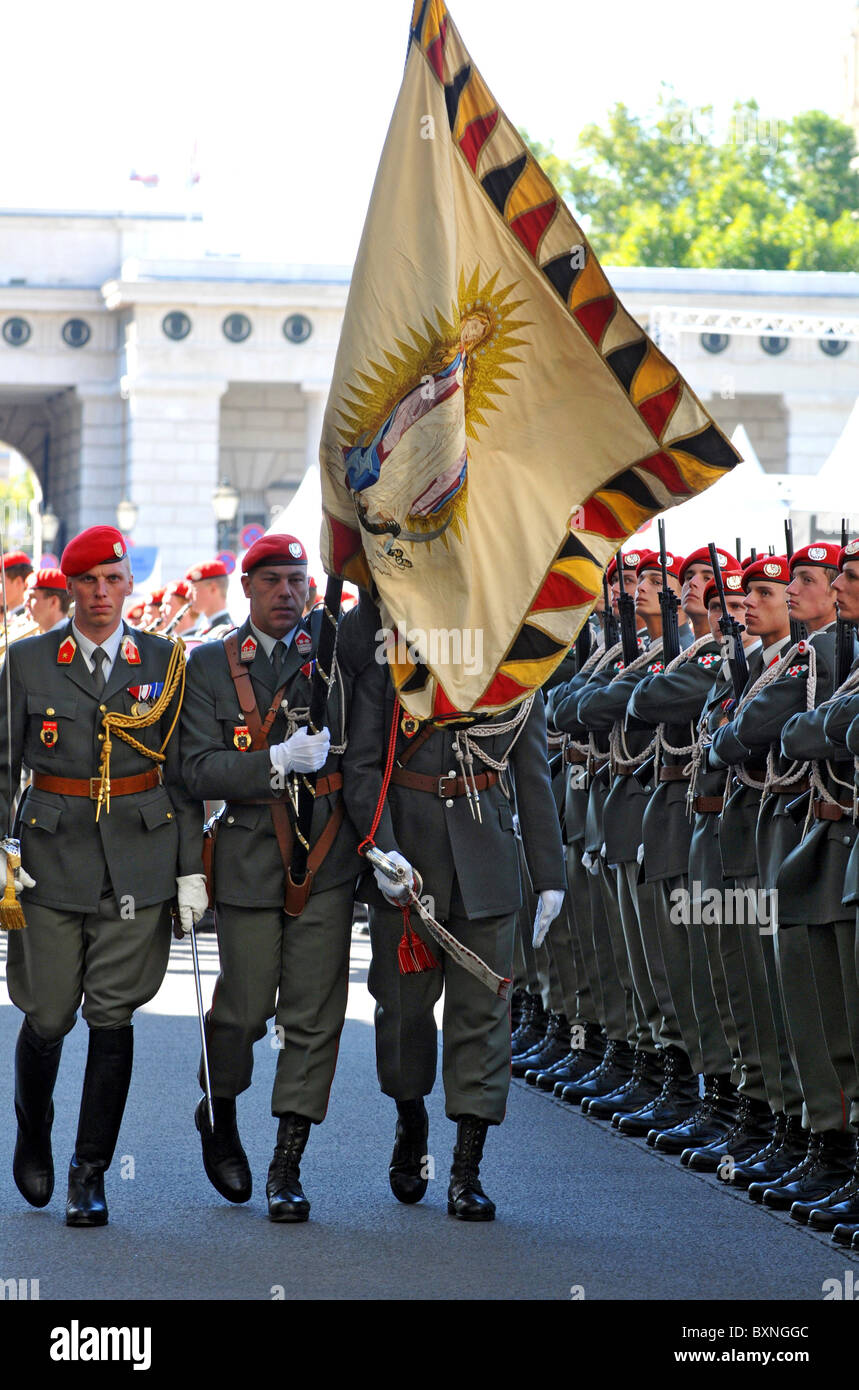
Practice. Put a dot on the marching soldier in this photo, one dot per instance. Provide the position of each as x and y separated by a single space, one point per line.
244 735
210 581
48 599
109 840
17 568
429 820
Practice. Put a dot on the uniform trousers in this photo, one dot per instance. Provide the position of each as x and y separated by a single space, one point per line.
295 969
111 962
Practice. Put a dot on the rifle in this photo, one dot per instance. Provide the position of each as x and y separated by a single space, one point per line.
626 609
739 548
668 603
582 645
797 629
732 630
844 633
610 624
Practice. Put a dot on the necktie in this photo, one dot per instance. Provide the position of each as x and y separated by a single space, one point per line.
99 680
278 652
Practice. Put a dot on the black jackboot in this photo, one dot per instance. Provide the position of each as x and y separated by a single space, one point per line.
224 1159
675 1102
641 1088
106 1081
465 1197
407 1173
532 1028
36 1063
714 1116
614 1071
578 1060
555 1045
286 1200
786 1149
751 1131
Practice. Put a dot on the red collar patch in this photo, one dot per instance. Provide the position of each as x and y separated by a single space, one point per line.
303 642
128 650
248 649
67 651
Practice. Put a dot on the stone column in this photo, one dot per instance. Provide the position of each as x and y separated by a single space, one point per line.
315 395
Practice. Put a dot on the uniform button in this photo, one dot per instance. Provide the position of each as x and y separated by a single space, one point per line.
451 773
102 709
101 738
847 839
231 820
50 711
169 815
448 804
32 820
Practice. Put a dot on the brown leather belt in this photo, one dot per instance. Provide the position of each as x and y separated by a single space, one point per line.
707 805
572 755
442 787
824 810
594 764
89 786
324 787
672 773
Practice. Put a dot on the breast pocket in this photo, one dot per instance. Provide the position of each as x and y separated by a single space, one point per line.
49 707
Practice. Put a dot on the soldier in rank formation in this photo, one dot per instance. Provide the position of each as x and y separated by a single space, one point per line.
693 790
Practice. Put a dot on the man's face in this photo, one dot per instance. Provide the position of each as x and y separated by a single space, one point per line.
14 592
846 589
695 581
766 609
44 608
170 607
736 606
648 591
277 595
810 598
98 597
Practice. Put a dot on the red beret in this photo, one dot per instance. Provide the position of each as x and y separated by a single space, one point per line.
770 569
13 558
98 545
274 550
849 552
209 569
702 557
761 554
732 581
649 560
818 553
629 560
155 598
180 588
135 614
49 579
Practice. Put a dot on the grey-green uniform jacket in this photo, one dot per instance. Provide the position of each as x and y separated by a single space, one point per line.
148 838
248 867
439 836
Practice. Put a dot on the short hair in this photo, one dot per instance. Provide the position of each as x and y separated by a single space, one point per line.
65 599
18 571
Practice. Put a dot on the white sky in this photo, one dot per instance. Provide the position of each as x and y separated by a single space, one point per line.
289 100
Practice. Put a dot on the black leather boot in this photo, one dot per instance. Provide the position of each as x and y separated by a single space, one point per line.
555 1045
532 1028
841 1208
36 1063
614 1071
407 1173
786 1149
286 1200
224 1159
643 1086
675 1102
751 1131
831 1167
517 1004
577 1062
757 1189
836 1174
106 1081
465 1197
712 1118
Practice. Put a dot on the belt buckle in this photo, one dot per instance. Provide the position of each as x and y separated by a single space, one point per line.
440 792
94 788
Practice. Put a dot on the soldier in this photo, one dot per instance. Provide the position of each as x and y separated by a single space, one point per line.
17 567
471 869
48 600
152 619
210 581
243 734
103 856
177 599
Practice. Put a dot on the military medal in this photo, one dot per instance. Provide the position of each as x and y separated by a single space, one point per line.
409 725
303 642
242 737
48 733
129 651
66 652
248 649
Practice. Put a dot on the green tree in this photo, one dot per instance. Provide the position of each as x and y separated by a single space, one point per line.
668 191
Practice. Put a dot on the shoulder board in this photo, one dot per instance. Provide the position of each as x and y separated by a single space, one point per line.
656 668
801 670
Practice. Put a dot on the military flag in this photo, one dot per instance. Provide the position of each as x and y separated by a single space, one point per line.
498 424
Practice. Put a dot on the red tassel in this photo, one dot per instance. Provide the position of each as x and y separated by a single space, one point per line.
413 955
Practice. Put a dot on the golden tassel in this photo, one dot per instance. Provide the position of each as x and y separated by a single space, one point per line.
11 912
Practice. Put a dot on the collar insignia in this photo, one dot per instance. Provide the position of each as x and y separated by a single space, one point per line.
66 651
303 642
128 650
249 649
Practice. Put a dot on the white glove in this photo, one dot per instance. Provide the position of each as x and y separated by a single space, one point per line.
22 878
550 904
193 898
395 896
304 752
639 858
589 863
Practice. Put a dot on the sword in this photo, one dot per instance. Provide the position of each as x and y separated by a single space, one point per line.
207 1084
469 960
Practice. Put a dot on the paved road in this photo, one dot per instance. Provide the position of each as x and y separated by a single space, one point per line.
579 1206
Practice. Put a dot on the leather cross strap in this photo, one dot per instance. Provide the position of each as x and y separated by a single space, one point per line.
824 810
707 805
443 787
672 772
296 895
89 786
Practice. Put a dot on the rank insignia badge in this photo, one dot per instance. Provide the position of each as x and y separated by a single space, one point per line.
303 642
48 732
308 668
242 737
129 651
409 725
249 649
66 652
